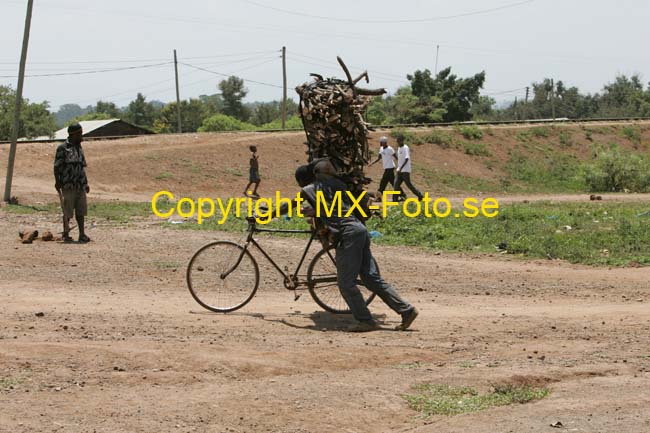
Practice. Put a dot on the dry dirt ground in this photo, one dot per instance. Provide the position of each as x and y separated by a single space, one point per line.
121 346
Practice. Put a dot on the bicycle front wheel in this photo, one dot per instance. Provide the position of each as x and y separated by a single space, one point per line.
222 276
323 285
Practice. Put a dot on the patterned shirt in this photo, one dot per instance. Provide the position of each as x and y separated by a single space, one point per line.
69 166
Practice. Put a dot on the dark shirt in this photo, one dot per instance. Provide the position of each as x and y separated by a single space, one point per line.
329 187
69 166
254 163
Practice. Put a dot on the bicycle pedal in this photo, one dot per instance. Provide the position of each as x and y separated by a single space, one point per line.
296 296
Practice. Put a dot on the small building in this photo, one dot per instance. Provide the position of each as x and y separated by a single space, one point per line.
104 128
108 128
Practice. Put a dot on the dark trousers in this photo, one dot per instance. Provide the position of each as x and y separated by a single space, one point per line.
354 259
388 178
406 178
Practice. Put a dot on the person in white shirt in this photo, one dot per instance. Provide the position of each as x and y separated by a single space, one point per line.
404 169
387 156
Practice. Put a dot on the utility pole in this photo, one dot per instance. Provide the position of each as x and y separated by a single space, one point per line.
515 109
178 96
436 68
526 101
553 98
19 100
284 86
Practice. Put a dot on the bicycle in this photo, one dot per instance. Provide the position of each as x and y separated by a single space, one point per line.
223 276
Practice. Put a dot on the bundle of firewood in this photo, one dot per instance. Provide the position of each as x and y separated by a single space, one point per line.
332 115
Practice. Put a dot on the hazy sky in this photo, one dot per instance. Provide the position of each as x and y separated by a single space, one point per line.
584 43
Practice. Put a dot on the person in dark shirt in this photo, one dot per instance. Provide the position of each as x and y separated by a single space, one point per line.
353 256
71 182
253 172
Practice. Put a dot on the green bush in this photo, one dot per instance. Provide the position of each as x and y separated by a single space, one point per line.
476 149
410 137
540 131
440 138
565 139
293 122
632 133
471 132
617 170
221 122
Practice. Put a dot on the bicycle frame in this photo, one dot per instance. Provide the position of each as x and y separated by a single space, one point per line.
291 281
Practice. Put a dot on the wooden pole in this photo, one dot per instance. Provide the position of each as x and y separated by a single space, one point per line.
284 87
19 100
553 98
178 95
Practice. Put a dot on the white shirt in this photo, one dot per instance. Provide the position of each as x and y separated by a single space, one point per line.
402 155
387 157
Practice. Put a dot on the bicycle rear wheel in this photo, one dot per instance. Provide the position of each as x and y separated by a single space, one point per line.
323 286
222 276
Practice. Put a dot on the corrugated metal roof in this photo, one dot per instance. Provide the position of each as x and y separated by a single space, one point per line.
86 125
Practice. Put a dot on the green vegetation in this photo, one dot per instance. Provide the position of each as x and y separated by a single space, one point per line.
433 399
471 132
546 173
164 175
632 133
476 149
595 233
591 233
615 169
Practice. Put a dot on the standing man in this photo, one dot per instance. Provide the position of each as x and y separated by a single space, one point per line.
253 172
71 183
387 156
404 169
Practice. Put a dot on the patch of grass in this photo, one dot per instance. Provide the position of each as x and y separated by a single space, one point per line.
410 137
26 209
9 383
470 132
540 131
615 169
549 173
435 176
614 234
589 134
234 171
152 157
566 139
632 133
434 399
119 211
476 149
439 138
164 175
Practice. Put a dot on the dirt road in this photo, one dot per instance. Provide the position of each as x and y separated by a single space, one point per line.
121 346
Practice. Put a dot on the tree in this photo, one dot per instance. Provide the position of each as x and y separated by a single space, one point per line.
233 92
456 94
108 108
483 109
67 112
193 112
140 112
35 118
405 107
222 122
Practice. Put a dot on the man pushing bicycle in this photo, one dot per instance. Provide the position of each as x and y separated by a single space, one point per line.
352 242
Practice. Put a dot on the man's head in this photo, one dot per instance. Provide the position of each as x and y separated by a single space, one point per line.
383 141
400 140
75 133
253 148
305 175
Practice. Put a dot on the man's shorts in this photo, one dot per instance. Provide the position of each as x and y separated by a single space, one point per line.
74 202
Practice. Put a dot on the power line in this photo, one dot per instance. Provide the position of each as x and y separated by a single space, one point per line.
97 71
227 75
389 21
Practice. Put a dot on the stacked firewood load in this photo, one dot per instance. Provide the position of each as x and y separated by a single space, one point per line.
332 115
